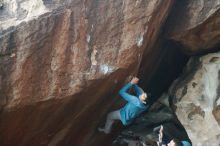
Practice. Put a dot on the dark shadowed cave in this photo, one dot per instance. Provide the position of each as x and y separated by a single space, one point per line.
170 66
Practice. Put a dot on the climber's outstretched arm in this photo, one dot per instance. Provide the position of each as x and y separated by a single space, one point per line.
138 90
124 91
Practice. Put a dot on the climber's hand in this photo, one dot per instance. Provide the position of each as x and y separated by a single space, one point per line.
134 80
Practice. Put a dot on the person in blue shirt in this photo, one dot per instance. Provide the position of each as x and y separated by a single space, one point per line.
136 104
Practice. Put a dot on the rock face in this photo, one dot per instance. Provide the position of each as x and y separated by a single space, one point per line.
13 12
64 49
195 24
61 62
196 96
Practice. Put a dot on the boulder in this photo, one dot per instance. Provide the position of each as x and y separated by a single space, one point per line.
62 62
195 25
196 99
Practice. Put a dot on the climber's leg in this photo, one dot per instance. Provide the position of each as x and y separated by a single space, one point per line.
111 117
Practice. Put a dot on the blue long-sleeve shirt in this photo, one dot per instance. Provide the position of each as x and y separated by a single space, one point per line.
134 107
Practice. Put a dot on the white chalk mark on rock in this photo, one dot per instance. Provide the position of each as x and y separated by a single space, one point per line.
140 41
12 55
88 38
104 68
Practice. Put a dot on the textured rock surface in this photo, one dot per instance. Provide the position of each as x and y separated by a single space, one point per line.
197 99
13 12
51 64
195 24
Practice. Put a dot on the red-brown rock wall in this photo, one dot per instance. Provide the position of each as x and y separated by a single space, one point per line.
60 71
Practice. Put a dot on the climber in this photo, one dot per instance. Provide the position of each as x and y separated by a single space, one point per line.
163 138
135 106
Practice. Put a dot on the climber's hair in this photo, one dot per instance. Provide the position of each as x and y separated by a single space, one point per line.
177 142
